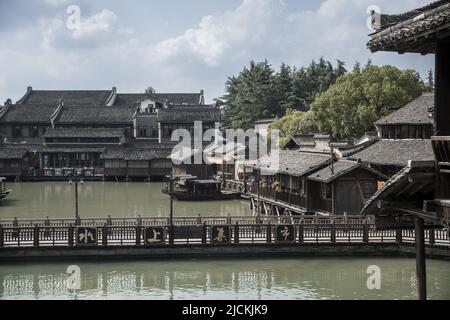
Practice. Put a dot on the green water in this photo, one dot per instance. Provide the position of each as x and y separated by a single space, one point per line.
315 278
330 278
98 199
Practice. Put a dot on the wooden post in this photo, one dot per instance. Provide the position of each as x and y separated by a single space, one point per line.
398 236
301 237
431 238
105 235
366 233
138 234
236 233
442 83
77 216
269 233
36 236
333 232
70 231
333 197
421 279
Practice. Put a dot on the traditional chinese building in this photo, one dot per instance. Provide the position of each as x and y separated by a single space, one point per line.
102 132
419 193
403 135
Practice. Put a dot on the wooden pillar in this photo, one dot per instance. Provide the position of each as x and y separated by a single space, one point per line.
306 194
333 199
70 235
442 96
36 236
421 279
236 233
2 236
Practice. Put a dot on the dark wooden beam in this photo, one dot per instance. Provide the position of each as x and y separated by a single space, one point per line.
421 273
442 97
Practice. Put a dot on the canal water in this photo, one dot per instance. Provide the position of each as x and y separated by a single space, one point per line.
100 199
306 278
287 279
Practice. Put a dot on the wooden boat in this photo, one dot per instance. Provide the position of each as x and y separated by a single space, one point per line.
3 192
191 189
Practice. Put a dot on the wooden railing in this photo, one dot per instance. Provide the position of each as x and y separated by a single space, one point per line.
441 147
223 232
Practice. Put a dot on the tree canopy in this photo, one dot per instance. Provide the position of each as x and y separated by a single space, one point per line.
294 123
349 107
259 92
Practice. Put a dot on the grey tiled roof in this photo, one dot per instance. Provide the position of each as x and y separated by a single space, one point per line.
96 115
415 112
70 97
172 98
186 114
128 153
396 152
341 167
296 163
84 133
397 29
28 113
12 153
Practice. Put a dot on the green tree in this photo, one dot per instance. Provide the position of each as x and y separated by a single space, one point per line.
349 108
258 92
294 123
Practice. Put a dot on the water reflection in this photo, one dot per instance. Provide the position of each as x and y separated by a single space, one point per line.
98 199
238 279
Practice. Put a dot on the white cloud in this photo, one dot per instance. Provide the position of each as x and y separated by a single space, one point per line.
107 52
217 35
57 2
99 24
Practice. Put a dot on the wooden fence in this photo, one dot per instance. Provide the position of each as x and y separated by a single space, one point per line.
226 231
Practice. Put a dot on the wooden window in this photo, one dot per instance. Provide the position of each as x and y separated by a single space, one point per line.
404 132
385 132
326 191
412 132
34 132
369 189
17 132
142 131
391 132
427 132
419 132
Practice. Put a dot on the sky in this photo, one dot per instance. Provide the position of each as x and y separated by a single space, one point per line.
179 45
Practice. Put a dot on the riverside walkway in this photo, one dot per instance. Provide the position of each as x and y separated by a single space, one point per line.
208 236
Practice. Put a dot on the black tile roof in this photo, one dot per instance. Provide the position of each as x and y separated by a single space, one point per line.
397 32
129 99
84 133
187 114
297 163
415 112
396 152
135 154
180 98
12 153
95 115
70 97
340 168
28 113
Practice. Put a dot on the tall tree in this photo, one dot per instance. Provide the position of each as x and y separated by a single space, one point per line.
350 107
